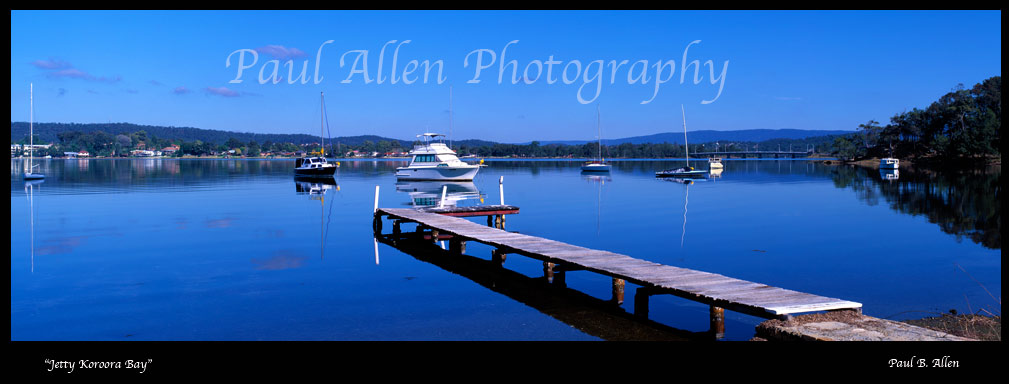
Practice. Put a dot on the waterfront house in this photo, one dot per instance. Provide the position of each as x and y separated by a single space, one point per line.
170 150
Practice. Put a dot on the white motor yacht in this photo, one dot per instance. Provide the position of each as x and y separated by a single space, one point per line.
715 163
436 161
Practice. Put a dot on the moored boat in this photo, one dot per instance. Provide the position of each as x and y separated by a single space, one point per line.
316 166
30 169
595 166
715 163
598 165
687 171
889 163
681 172
435 161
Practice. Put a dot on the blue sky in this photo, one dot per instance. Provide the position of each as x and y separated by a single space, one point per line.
782 69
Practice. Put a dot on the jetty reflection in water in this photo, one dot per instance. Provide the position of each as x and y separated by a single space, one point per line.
548 294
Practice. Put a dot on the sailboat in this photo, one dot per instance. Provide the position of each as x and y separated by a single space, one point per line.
30 170
687 171
598 165
316 166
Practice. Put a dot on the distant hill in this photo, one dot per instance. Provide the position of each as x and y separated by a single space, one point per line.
707 136
48 133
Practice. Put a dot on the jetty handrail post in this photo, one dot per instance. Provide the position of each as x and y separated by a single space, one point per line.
444 189
500 184
376 223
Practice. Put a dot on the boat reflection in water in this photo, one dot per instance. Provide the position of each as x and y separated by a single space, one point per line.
889 174
314 186
686 200
596 177
30 186
600 179
426 194
316 189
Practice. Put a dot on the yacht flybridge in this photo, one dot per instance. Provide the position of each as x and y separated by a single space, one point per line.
436 161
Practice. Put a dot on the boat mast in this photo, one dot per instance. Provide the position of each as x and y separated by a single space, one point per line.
599 136
31 128
322 123
450 118
685 146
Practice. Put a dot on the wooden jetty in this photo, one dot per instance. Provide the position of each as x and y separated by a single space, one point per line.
594 316
720 292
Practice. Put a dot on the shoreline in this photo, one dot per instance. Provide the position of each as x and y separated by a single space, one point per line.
873 162
974 326
815 158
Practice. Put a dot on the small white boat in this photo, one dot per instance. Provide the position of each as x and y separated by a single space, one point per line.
715 163
681 172
30 169
600 164
314 167
435 161
595 166
889 163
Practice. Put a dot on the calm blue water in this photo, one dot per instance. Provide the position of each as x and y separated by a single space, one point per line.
239 250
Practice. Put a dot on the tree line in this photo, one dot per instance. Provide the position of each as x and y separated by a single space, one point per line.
963 124
103 144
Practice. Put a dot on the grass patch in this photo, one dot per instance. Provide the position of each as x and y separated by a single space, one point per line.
980 327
